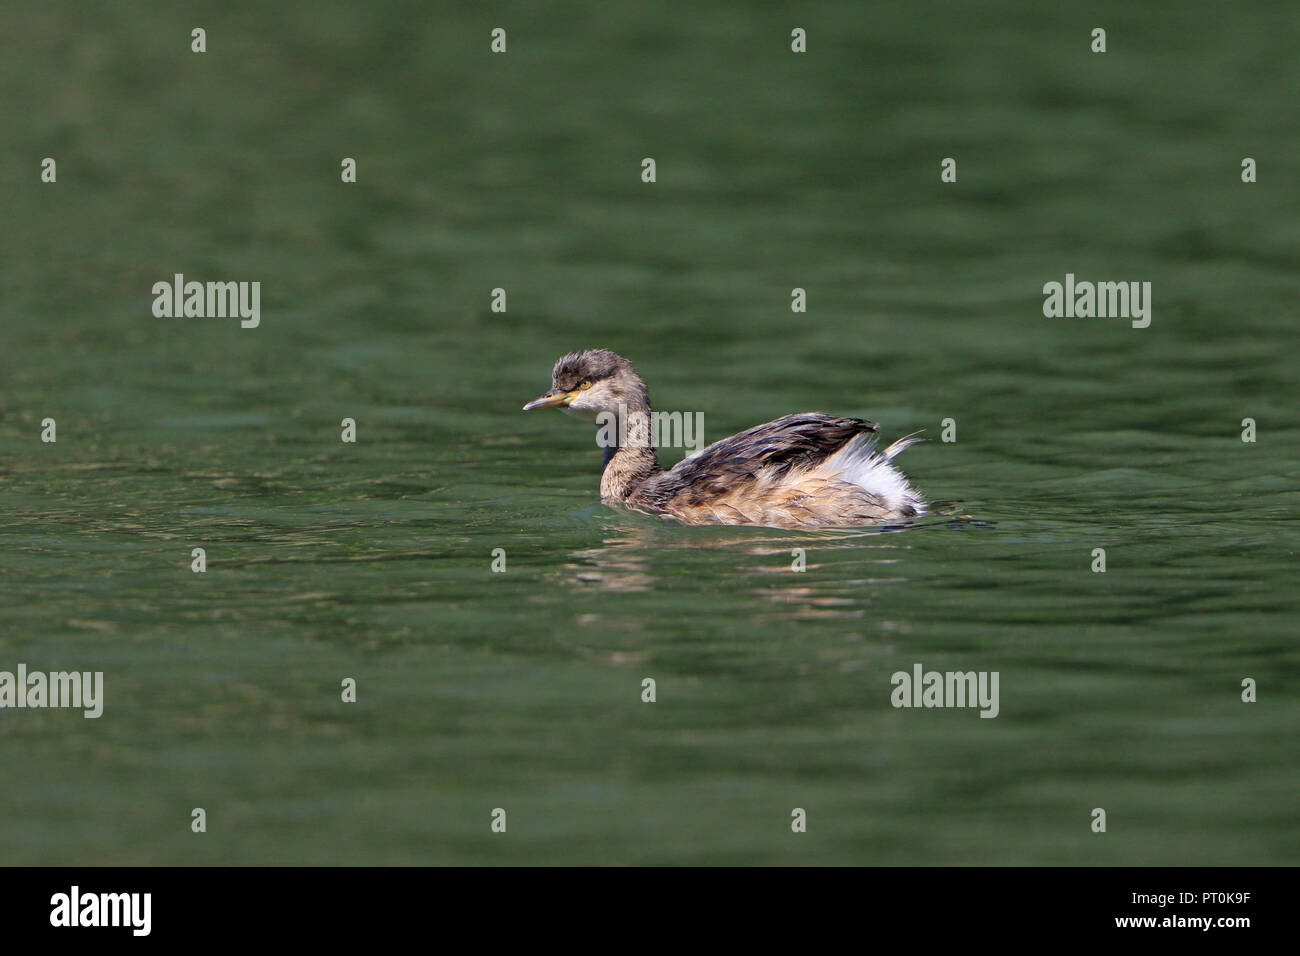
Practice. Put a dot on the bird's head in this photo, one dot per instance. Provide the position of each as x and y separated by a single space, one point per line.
586 383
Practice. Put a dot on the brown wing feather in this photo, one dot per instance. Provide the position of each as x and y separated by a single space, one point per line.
723 475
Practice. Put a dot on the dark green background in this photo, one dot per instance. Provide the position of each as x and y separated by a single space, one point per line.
521 690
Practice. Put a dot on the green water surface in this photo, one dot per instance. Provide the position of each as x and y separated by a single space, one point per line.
522 690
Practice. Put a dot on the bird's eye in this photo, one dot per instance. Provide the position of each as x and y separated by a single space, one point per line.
585 385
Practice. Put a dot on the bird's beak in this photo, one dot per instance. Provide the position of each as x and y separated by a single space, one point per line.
552 399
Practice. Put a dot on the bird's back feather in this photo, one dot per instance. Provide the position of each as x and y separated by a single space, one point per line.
798 470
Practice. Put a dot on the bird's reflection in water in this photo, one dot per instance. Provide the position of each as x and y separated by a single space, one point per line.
620 564
625 562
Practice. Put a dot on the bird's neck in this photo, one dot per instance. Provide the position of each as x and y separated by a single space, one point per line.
629 451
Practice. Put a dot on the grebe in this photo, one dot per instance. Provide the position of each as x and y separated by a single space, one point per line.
805 470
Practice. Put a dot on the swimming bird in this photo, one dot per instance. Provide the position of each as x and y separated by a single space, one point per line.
804 470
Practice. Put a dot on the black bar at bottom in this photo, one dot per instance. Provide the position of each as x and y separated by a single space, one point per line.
335 906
